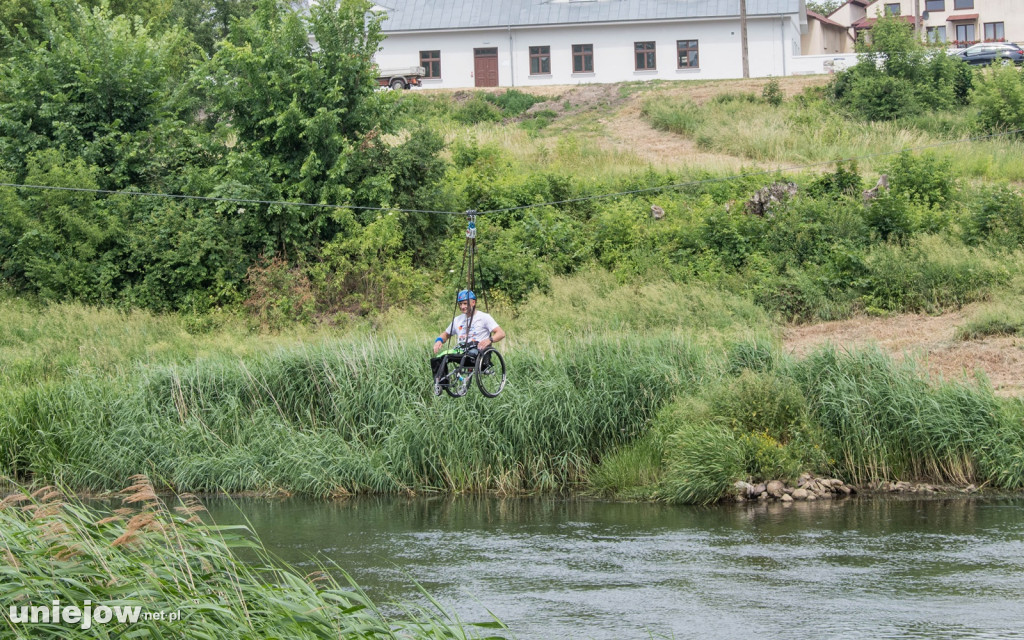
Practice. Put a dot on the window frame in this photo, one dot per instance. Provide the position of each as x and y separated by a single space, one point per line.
941 3
583 55
994 37
965 26
695 48
541 54
431 63
935 30
649 50
962 4
888 9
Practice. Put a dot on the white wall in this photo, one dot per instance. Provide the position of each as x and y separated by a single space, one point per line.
772 44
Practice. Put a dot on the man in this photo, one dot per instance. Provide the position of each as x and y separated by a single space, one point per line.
475 330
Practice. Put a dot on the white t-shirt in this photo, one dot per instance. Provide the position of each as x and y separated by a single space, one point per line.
483 325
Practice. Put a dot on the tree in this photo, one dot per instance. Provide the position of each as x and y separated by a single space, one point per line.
823 7
896 76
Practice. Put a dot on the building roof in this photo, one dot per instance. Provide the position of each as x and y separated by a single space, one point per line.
421 15
821 18
867 23
962 17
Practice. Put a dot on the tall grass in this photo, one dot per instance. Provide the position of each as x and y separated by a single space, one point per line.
161 557
347 416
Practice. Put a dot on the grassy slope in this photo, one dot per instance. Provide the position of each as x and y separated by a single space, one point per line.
613 371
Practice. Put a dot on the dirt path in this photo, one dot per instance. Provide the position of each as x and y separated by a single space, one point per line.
930 340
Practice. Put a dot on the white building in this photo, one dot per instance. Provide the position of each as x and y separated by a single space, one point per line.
467 43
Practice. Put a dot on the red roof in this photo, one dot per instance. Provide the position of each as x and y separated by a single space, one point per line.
821 18
867 23
963 17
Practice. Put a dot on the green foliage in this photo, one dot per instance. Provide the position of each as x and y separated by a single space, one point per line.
993 319
926 179
998 217
890 216
158 555
476 110
703 461
513 102
999 98
896 76
845 180
772 93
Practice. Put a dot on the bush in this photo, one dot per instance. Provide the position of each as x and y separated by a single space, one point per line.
772 93
925 179
999 217
476 110
513 102
999 99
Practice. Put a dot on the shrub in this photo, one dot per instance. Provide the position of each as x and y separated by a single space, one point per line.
278 294
513 102
702 461
999 217
845 180
925 179
890 216
476 110
772 93
999 99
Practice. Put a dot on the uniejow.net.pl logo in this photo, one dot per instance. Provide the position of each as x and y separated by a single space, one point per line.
85 615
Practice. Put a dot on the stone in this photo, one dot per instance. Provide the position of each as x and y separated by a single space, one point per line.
800 494
763 496
787 498
811 496
775 489
657 212
845 490
804 479
757 490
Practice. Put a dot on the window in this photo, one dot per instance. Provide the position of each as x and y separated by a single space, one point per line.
540 60
994 31
936 34
965 33
687 54
431 61
892 8
645 56
934 5
582 58
963 4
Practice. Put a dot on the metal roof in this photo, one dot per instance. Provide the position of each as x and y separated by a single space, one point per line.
419 15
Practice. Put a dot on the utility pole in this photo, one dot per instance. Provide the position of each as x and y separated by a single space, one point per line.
917 19
743 38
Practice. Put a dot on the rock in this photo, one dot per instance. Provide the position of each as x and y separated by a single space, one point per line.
787 498
881 185
763 496
800 494
762 202
757 490
804 479
775 489
811 496
970 489
742 488
739 498
845 490
657 212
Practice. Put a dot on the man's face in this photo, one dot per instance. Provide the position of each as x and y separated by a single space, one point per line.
466 305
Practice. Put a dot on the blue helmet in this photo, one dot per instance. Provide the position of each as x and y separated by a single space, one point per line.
464 295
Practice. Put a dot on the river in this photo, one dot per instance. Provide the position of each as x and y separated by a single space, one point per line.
567 568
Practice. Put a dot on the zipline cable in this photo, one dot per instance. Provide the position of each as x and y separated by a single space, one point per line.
220 199
693 183
601 196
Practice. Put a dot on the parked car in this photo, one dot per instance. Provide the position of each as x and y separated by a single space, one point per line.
989 52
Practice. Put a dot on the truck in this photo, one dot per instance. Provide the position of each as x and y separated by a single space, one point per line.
402 78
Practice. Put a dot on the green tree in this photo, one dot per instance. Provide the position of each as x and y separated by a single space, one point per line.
897 76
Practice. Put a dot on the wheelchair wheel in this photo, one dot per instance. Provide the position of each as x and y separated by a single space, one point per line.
456 375
490 372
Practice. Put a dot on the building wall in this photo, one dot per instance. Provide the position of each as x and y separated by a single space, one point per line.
824 38
1009 12
772 43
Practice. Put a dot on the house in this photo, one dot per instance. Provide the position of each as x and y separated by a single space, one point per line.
961 22
826 36
481 43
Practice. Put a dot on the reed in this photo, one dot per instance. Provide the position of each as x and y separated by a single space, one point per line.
160 556
344 417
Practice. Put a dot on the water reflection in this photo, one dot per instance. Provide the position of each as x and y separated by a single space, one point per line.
555 568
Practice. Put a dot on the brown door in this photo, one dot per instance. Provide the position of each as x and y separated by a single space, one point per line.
485 67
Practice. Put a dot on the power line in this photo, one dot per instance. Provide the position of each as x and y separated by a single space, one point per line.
678 185
219 199
692 183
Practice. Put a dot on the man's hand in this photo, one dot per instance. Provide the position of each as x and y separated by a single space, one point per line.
437 346
483 344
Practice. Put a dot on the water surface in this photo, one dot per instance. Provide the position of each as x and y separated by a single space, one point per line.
554 568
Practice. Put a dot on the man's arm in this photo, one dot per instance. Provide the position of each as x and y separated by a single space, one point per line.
440 340
497 335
